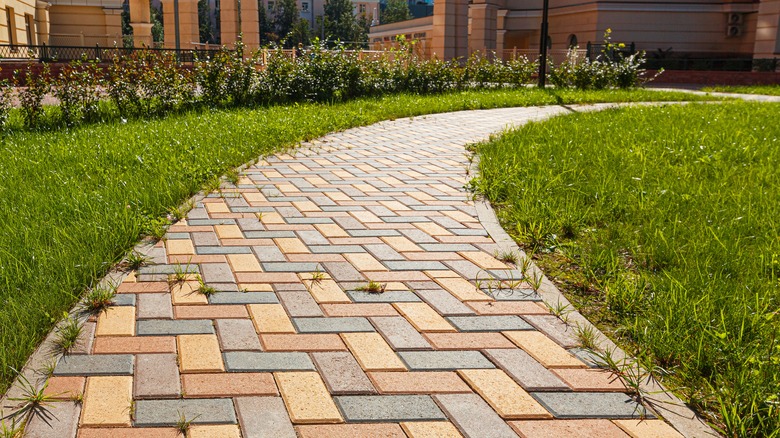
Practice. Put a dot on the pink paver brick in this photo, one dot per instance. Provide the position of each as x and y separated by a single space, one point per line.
567 428
302 342
375 430
228 384
594 380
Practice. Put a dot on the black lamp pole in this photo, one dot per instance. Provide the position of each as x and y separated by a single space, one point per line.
176 26
543 45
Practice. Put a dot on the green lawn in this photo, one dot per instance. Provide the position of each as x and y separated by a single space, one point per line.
662 224
770 90
73 202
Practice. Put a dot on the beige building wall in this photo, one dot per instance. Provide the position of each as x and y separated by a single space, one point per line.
17 22
86 22
767 44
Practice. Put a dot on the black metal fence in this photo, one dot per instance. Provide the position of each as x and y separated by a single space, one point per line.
47 53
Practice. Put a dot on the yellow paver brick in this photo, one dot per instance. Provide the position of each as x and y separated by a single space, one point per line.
217 207
462 289
364 262
179 247
272 218
443 274
432 229
372 352
187 293
423 317
331 230
430 429
116 321
256 287
460 216
107 401
326 291
306 398
306 206
199 354
421 196
483 260
395 205
365 216
291 245
401 244
647 429
244 263
228 232
214 431
544 349
287 188
338 196
254 198
270 318
503 394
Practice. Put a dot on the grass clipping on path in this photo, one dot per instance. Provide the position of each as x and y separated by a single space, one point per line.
662 224
73 202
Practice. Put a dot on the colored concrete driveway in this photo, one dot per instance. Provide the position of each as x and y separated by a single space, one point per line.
353 292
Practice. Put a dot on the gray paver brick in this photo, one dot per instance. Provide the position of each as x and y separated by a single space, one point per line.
269 253
514 295
169 412
445 360
206 250
391 296
251 361
58 420
199 222
299 304
555 329
467 270
85 339
262 417
312 237
392 408
473 417
332 325
124 300
373 233
268 234
492 323
447 247
154 306
444 302
217 273
336 249
290 267
341 373
343 271
156 375
526 371
384 252
237 334
95 365
243 298
150 327
591 405
399 333
415 266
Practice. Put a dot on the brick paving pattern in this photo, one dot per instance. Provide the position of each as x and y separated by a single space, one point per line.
291 343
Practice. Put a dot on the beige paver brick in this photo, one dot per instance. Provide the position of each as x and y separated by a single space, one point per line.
306 398
468 341
214 431
199 354
331 230
129 432
401 244
270 318
116 321
291 245
503 394
462 289
460 216
228 232
134 344
544 349
423 317
508 308
306 206
244 263
210 312
432 229
483 260
216 207
365 262
272 218
187 293
179 247
591 380
430 429
372 352
447 273
647 429
590 428
326 291
107 401
302 342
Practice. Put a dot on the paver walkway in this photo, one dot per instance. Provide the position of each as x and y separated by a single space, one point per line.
290 344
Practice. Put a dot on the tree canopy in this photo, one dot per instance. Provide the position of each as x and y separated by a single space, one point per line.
397 10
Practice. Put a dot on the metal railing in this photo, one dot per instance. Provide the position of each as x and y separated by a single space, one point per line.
49 53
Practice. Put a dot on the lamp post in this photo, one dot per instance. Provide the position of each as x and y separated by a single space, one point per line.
176 27
543 44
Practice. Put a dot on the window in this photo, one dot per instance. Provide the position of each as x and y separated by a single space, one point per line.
10 18
362 9
304 6
29 27
573 43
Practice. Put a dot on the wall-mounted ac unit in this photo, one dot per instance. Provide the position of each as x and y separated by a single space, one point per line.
735 18
733 31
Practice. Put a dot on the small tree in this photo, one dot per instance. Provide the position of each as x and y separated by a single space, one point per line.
300 33
397 10
340 20
286 17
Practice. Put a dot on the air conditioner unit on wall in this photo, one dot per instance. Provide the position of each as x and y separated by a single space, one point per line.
735 18
733 31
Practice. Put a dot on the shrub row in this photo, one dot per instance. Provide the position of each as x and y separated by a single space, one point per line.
150 83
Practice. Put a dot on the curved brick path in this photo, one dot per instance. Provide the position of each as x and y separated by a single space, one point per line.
274 353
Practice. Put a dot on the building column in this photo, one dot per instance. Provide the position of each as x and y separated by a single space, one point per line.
141 22
113 19
228 21
42 24
500 35
450 29
189 33
484 19
767 43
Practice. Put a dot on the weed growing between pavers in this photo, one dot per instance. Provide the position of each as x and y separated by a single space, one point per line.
73 202
662 225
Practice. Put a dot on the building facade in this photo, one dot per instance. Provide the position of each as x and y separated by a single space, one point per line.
724 28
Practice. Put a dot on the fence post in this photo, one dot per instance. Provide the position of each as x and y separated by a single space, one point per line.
588 51
44 52
97 51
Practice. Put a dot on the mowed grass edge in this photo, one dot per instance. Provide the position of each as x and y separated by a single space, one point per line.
661 225
768 90
73 202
